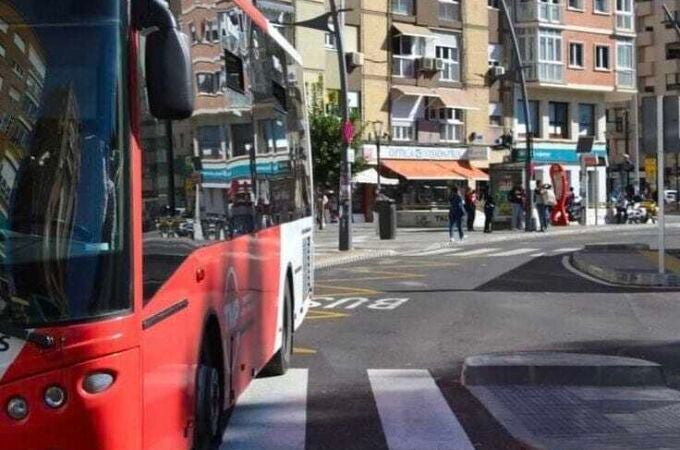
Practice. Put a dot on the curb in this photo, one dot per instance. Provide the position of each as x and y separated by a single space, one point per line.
623 277
353 258
564 369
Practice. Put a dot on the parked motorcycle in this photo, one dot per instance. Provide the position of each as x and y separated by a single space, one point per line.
651 209
575 211
637 213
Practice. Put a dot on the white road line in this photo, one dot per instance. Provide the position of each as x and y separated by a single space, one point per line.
438 251
537 255
515 252
479 251
565 250
414 413
270 415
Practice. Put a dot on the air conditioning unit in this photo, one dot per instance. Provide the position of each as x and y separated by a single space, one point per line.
439 65
429 64
497 71
355 59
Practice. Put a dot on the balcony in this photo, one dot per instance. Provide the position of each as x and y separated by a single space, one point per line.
625 79
539 11
546 72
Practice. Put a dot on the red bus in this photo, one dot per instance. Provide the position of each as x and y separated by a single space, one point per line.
155 218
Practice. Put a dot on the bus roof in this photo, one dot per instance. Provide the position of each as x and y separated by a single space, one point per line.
263 24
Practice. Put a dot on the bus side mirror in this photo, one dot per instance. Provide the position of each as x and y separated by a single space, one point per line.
169 80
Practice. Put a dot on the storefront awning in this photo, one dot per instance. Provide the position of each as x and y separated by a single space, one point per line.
370 176
465 169
408 29
457 98
422 170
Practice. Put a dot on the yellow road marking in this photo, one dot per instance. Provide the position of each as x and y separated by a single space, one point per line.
672 263
315 314
346 290
303 351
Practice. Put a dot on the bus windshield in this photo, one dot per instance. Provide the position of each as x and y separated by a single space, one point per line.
63 251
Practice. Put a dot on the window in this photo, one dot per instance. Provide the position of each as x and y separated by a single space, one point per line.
494 4
212 33
558 114
329 40
575 54
602 57
449 10
495 114
18 70
576 4
601 6
243 139
586 119
624 14
405 50
495 54
402 132
192 32
673 50
550 67
19 42
30 109
2 51
625 69
534 113
205 82
234 71
14 94
3 26
450 57
404 7
209 142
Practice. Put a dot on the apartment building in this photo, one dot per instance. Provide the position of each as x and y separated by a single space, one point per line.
658 46
420 68
580 62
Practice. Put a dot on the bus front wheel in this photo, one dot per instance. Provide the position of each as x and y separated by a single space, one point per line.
208 402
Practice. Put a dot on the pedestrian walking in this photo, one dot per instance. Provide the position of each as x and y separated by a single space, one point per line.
489 211
517 197
549 202
470 208
456 214
540 206
621 209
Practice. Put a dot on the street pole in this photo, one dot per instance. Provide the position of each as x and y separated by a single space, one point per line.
170 156
377 145
626 131
636 140
529 207
345 238
660 184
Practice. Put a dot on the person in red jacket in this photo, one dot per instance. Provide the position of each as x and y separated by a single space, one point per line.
470 207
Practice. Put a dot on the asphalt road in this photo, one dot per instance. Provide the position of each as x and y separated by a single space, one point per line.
378 360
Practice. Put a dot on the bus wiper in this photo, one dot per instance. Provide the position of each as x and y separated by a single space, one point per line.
41 340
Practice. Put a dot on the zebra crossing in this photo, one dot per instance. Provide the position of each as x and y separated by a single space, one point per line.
490 252
413 413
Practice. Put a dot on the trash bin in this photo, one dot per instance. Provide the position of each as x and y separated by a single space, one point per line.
387 218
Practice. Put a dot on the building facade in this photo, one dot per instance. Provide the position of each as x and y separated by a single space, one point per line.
658 47
580 63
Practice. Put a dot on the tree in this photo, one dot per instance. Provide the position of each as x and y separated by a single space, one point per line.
327 142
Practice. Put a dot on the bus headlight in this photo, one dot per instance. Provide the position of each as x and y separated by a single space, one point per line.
55 397
97 382
17 408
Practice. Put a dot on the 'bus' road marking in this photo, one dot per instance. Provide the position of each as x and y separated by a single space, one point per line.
479 251
270 415
515 252
414 413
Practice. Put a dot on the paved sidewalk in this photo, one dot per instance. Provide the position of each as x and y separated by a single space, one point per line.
367 245
628 265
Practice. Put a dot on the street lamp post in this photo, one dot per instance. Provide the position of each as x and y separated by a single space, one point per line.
378 132
529 207
322 23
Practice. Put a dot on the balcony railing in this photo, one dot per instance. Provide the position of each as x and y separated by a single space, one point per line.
546 71
539 11
403 66
449 11
625 78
